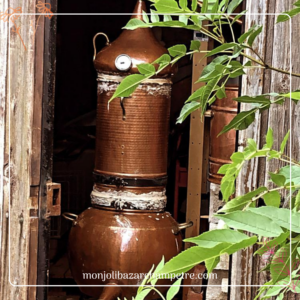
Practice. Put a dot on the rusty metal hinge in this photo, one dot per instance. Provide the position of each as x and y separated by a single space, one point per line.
53 199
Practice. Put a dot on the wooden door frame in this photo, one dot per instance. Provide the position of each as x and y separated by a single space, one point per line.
42 160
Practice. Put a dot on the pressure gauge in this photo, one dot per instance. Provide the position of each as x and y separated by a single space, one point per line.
123 62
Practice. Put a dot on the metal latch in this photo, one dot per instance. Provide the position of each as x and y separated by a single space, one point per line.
53 199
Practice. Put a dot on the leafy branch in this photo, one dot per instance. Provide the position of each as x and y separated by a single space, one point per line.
240 214
213 17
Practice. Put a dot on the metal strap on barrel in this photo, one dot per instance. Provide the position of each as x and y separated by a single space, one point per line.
133 182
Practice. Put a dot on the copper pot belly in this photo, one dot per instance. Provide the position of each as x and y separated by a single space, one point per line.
106 241
222 147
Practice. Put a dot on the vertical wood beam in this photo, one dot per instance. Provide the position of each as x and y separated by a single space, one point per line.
17 97
273 45
196 145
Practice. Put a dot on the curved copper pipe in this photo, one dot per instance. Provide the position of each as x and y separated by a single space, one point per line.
111 291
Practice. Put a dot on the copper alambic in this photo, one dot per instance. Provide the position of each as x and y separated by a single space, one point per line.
222 147
126 230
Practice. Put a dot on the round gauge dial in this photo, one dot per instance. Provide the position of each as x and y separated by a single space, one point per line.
123 62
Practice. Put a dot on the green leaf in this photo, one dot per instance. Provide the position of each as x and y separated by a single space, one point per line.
227 187
210 239
237 17
146 69
252 222
145 17
184 19
288 14
217 72
297 3
183 4
189 258
251 145
167 18
269 138
221 48
272 199
211 263
204 6
240 245
196 96
240 121
245 35
237 157
195 45
284 141
143 283
280 297
278 179
177 50
257 99
280 264
213 8
134 24
128 85
223 169
235 66
253 36
167 6
233 5
293 95
274 154
211 67
207 92
281 216
223 5
194 5
273 291
273 243
240 202
164 59
297 201
221 93
154 16
295 172
187 109
154 278
174 289
142 295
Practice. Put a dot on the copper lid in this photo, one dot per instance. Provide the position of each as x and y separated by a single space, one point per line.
139 44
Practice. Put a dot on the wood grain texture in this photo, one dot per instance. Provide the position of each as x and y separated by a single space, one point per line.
273 45
195 174
17 97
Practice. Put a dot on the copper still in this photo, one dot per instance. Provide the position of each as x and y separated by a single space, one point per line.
127 230
223 146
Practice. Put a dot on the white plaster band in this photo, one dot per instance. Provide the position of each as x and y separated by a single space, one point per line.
118 79
121 199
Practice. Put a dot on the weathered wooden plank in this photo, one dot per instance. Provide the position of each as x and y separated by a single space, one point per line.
17 94
274 47
47 149
38 96
3 160
251 85
195 153
195 173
